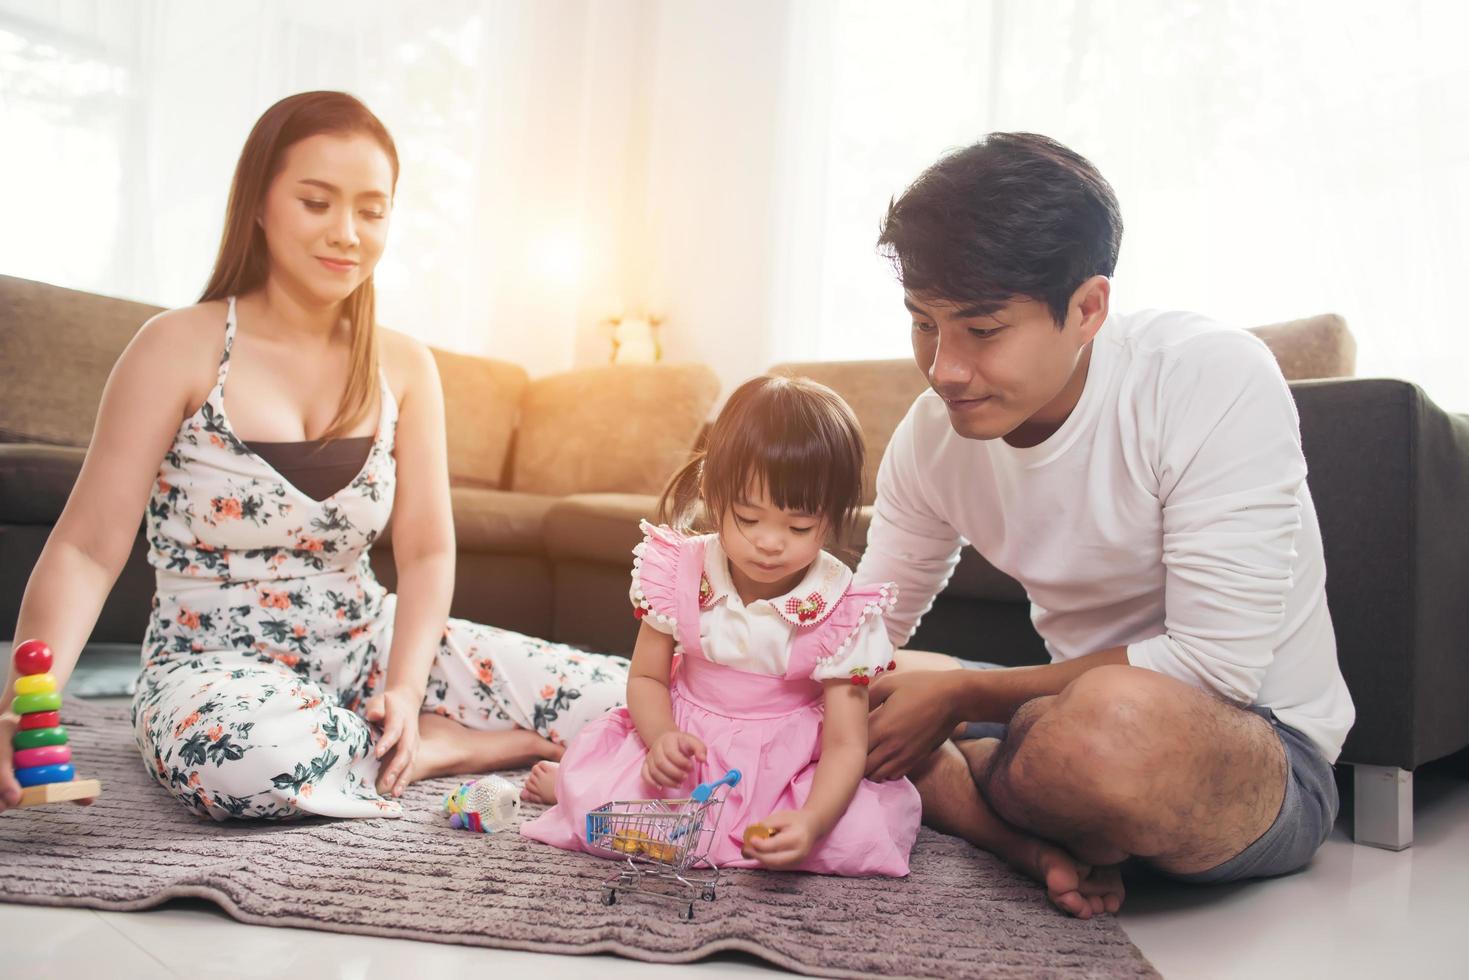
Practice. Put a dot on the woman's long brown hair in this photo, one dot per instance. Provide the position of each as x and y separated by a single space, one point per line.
244 263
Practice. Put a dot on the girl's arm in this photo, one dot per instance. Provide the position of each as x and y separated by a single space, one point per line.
152 389
648 677
843 754
791 834
671 753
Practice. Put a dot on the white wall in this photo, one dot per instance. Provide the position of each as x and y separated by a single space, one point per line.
703 187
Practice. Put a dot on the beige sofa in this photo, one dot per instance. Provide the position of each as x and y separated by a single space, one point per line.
550 476
519 449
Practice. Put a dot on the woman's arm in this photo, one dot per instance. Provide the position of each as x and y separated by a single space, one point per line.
423 521
423 553
152 388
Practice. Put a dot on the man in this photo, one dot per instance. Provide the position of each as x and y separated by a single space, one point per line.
1141 476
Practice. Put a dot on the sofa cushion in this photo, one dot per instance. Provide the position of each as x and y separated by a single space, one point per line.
880 393
1314 347
499 521
614 429
481 407
35 481
57 347
598 527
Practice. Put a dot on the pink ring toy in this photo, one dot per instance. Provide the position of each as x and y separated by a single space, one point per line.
46 755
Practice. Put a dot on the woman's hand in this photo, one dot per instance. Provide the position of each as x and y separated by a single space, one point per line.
793 834
396 711
10 787
671 758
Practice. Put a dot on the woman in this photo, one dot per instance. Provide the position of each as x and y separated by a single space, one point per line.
268 433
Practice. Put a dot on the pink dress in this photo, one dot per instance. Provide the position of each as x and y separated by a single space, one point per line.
747 683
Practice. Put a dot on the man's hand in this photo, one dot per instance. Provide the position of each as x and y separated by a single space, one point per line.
913 712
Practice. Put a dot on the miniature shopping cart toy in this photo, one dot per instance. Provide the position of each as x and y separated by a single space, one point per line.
663 844
42 757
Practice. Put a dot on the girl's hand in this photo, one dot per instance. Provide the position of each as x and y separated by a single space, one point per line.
794 834
396 710
671 758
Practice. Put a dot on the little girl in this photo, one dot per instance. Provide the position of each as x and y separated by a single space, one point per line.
755 653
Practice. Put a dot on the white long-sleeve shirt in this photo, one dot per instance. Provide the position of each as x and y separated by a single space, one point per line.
1169 514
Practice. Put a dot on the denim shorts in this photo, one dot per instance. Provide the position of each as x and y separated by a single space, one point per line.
1307 812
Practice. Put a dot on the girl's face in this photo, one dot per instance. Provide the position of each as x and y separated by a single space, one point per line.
768 545
326 214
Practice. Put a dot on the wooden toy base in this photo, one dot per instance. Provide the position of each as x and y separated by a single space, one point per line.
77 789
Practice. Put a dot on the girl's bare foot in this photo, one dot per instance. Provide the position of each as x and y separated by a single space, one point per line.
540 786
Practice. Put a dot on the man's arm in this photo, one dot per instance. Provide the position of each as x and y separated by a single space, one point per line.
907 542
993 695
1230 471
1230 480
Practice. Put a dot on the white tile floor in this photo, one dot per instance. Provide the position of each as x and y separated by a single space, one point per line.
1357 912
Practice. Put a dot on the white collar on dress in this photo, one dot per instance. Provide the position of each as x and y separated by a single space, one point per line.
808 604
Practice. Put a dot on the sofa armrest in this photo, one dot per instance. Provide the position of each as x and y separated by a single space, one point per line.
1389 474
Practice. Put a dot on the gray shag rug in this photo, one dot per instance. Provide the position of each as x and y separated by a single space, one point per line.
959 914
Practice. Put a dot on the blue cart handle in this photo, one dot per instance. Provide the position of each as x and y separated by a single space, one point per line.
703 791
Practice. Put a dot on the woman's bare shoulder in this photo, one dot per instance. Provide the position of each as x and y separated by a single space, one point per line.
189 328
407 361
181 347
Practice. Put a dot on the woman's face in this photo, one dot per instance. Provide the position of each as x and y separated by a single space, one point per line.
326 214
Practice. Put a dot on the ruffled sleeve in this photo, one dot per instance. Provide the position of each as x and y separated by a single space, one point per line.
853 642
655 577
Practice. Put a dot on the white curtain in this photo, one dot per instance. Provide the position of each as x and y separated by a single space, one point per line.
725 166
122 121
1273 160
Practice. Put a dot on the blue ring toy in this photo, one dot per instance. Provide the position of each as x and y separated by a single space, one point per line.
62 772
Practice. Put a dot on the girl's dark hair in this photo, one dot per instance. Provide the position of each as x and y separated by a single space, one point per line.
1015 214
792 437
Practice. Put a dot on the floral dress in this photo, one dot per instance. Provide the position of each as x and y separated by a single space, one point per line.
269 633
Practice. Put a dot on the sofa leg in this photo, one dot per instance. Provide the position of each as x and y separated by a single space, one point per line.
1382 797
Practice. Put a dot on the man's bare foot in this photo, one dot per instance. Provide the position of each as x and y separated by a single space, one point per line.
1073 887
540 786
978 752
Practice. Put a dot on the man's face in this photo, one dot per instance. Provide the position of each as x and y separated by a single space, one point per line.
1012 372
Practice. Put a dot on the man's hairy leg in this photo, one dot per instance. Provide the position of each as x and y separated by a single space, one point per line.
952 805
1127 762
